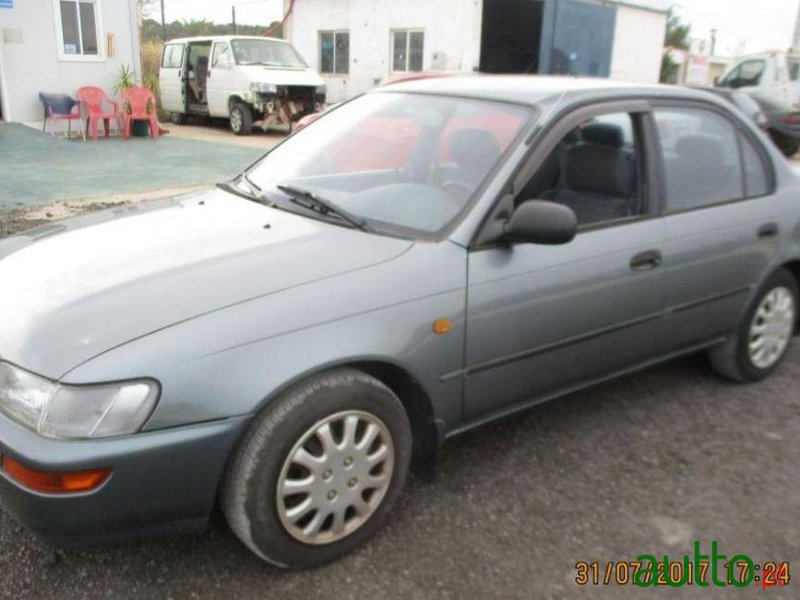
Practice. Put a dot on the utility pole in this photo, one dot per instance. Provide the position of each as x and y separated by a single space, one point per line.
163 23
796 36
233 16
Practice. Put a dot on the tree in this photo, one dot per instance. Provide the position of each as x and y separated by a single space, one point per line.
677 37
146 8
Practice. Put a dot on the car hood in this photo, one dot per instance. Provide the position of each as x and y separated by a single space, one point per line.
278 76
75 289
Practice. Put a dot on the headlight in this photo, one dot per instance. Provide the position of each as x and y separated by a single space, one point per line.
264 88
75 411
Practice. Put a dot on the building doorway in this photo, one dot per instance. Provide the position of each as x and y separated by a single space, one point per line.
511 36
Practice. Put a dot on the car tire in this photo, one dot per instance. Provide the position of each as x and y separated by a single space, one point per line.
768 327
241 119
358 497
178 118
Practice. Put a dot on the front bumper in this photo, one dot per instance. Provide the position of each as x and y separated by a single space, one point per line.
163 480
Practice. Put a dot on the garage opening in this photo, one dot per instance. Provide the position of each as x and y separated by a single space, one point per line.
511 36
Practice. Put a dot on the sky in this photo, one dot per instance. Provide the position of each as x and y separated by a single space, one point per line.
743 26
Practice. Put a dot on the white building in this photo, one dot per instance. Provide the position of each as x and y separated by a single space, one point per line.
356 44
59 46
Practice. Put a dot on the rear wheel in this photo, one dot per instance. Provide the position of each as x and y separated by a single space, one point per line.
241 119
319 470
764 336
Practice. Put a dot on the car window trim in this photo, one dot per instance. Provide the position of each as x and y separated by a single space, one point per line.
547 137
739 126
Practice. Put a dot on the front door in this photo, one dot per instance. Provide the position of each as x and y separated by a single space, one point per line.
545 319
170 78
219 82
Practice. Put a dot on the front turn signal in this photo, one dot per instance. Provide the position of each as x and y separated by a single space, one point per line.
54 482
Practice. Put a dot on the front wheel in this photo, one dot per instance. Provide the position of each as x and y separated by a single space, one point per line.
241 119
319 470
764 336
178 118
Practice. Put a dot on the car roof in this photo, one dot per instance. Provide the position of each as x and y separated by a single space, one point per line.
223 38
537 89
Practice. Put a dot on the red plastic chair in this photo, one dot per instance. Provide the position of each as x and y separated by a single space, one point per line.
96 101
140 104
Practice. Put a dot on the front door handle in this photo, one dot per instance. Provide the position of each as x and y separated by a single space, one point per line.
768 230
645 261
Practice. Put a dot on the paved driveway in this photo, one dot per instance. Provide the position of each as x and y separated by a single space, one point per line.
37 169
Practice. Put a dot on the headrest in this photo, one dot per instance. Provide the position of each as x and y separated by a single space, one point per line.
474 149
605 134
599 169
202 61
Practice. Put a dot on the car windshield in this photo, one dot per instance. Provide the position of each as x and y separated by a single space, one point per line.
396 160
267 52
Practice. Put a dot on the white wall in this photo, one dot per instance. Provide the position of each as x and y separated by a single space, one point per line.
451 26
29 58
638 44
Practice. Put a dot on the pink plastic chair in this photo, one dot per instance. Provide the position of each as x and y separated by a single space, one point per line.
96 103
140 104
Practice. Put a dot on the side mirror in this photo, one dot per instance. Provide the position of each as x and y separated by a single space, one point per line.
541 222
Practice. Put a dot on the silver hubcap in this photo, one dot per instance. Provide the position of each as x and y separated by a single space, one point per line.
335 477
772 328
236 119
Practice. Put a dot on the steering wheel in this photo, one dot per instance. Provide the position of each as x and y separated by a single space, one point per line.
453 184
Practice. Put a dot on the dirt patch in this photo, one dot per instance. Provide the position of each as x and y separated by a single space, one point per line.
16 220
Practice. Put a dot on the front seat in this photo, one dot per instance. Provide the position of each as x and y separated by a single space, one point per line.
598 183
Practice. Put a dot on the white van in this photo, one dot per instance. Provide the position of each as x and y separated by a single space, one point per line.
774 75
248 80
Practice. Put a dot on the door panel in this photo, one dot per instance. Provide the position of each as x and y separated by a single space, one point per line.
545 318
714 258
219 81
171 78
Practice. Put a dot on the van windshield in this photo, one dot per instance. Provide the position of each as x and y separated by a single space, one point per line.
268 53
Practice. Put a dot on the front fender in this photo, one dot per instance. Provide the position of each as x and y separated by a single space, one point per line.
229 363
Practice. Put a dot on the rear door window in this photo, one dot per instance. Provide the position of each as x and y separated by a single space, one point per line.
757 181
700 152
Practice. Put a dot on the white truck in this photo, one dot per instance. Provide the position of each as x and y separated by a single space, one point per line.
773 75
248 80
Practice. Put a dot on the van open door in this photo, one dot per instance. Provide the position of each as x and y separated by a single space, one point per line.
171 78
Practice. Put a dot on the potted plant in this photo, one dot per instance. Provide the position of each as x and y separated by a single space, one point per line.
126 79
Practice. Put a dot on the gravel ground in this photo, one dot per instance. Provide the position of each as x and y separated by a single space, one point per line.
646 464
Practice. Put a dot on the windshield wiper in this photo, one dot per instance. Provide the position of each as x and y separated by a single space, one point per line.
321 205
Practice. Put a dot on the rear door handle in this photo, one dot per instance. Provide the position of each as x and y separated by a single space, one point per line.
645 261
769 230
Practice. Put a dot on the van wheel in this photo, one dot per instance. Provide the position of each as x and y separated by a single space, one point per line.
178 118
241 119
764 336
319 470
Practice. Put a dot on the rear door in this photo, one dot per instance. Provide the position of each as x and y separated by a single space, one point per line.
170 78
721 220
